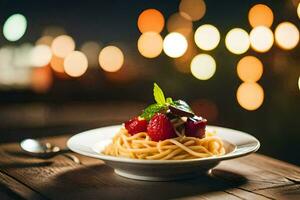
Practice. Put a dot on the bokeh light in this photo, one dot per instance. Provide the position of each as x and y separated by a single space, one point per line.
250 96
237 41
261 38
178 23
62 46
41 79
298 10
111 59
45 40
203 66
41 55
260 15
91 49
150 44
286 35
192 9
249 69
207 37
21 56
151 20
175 45
75 64
57 64
299 82
14 27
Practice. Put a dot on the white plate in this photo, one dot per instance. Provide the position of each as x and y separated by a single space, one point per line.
91 143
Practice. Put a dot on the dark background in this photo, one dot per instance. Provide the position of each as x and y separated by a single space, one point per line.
75 104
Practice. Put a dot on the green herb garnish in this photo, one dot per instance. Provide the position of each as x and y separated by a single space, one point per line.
163 104
151 110
158 95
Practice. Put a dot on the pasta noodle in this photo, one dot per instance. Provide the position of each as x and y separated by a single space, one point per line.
140 146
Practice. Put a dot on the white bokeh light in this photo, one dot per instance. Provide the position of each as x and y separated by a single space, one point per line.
261 39
203 66
237 41
207 37
175 45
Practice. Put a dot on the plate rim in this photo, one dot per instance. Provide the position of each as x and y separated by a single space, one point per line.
91 153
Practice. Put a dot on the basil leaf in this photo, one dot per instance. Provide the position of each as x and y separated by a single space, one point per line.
180 107
158 94
151 110
169 100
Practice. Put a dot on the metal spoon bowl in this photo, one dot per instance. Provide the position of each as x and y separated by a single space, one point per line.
44 150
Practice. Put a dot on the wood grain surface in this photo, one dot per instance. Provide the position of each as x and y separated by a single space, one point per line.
251 177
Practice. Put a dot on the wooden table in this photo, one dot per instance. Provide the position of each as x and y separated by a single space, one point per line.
252 177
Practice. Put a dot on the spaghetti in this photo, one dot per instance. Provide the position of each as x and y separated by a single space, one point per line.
140 146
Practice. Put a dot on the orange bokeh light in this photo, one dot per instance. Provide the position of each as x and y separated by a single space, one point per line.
57 64
75 64
151 20
249 69
177 23
150 44
192 9
41 79
250 96
62 45
260 15
111 59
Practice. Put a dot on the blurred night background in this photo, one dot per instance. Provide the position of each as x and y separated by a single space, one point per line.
68 66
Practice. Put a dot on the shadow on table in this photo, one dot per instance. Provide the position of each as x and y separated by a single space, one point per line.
100 182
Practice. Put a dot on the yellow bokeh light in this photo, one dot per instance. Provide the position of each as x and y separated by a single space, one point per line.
40 55
192 9
57 64
91 49
207 37
178 23
45 40
111 59
75 64
286 35
151 20
261 39
250 96
237 41
260 15
249 69
62 46
175 45
150 44
298 10
203 66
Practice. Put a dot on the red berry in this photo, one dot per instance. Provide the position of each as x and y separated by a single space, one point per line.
136 125
160 128
195 127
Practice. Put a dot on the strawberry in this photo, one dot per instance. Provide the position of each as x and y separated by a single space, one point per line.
195 127
136 125
160 128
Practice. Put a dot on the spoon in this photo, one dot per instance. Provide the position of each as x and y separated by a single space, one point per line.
44 150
